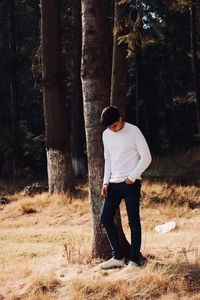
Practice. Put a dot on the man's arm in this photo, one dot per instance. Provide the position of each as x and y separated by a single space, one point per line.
107 167
145 156
107 172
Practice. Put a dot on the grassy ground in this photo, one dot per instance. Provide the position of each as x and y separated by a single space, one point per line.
45 248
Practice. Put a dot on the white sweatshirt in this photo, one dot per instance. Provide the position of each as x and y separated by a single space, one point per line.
126 154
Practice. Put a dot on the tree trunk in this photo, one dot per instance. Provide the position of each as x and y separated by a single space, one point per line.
59 164
13 89
77 119
138 62
140 106
95 85
195 66
138 96
119 60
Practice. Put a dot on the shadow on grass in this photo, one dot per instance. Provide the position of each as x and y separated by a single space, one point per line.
189 273
78 193
180 202
180 168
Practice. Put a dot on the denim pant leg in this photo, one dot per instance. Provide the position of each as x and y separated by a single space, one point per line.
111 204
132 201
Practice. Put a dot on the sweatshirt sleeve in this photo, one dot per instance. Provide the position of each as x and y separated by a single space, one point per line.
145 156
107 165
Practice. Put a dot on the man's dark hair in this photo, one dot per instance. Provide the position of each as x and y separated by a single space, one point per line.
110 115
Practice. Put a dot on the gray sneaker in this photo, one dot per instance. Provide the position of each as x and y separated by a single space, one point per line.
112 263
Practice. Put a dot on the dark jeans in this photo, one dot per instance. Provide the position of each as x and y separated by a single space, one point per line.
131 194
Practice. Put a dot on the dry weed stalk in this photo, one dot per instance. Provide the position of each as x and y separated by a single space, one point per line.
75 254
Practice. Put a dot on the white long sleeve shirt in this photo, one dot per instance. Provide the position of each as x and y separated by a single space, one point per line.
126 154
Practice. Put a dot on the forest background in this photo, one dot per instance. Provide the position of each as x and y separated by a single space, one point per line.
161 90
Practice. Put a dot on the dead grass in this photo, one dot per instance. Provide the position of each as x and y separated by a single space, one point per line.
76 252
190 274
150 283
155 194
43 288
45 248
181 167
28 209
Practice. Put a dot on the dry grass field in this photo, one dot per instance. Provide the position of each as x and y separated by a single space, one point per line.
45 248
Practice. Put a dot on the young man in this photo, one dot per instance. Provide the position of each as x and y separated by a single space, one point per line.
126 156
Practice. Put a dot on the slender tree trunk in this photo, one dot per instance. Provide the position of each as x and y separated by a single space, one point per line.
138 61
77 124
119 60
13 89
195 66
110 15
95 85
59 164
140 99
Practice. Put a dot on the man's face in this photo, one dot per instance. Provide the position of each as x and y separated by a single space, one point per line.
116 126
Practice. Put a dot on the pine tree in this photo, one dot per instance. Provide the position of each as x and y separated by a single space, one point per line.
95 85
59 164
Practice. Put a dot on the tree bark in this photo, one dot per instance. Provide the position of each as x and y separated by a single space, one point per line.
195 66
77 120
59 165
138 61
14 106
95 85
119 60
138 96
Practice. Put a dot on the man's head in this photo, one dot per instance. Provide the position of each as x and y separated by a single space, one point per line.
111 118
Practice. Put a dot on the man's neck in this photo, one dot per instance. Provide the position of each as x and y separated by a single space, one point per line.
122 125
